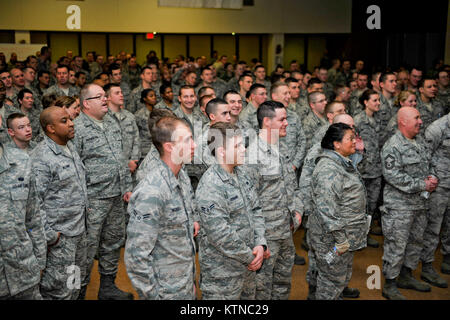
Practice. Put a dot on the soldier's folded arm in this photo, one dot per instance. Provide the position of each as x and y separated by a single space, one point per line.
395 175
214 221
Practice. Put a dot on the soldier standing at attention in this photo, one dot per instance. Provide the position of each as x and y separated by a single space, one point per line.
232 242
278 193
22 255
99 144
59 177
160 248
338 224
131 143
406 168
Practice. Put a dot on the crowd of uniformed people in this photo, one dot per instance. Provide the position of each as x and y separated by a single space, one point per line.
173 160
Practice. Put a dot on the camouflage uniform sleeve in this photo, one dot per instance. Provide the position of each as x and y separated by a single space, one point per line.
214 222
136 151
258 218
35 227
327 188
395 175
41 177
301 147
433 136
142 234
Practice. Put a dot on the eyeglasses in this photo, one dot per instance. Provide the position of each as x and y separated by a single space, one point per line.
97 97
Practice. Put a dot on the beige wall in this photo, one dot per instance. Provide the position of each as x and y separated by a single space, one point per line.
294 49
267 16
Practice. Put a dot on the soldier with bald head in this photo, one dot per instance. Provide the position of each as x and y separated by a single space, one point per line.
59 176
409 179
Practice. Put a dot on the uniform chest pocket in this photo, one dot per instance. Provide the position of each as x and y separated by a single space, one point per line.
175 215
65 172
236 202
20 193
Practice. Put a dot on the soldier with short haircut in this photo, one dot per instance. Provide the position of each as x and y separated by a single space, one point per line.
62 87
408 173
316 118
258 95
232 242
115 77
20 132
429 107
59 176
278 193
99 144
160 248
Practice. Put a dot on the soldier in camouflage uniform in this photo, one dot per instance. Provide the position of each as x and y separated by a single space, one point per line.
337 225
258 95
167 101
303 109
368 128
62 87
429 107
306 196
353 106
130 132
135 97
388 84
23 247
148 97
231 241
406 168
278 193
160 248
208 81
116 77
59 176
98 141
404 99
443 95
20 132
438 141
316 118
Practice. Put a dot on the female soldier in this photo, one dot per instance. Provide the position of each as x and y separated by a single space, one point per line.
71 105
338 223
406 98
148 98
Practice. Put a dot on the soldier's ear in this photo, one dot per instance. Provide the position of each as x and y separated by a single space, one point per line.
50 128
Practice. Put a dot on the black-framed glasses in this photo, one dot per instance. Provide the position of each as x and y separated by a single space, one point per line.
97 97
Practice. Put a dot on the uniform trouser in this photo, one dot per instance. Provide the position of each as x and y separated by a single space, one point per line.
311 274
373 188
231 288
273 280
105 234
334 277
28 294
65 268
403 240
439 207
445 235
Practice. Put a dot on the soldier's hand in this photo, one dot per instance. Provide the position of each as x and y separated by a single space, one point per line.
127 196
258 252
294 167
299 218
267 253
430 186
359 144
132 165
196 228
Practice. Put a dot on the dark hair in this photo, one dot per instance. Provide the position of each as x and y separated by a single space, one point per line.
267 110
112 67
366 96
144 94
48 100
245 74
421 83
163 87
255 87
185 87
21 94
313 81
335 133
12 116
108 87
145 68
290 79
60 66
230 92
79 73
41 72
385 75
211 106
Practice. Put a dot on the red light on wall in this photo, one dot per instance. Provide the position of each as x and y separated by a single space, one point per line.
149 36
